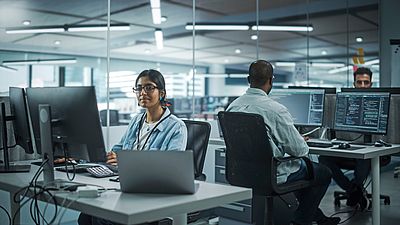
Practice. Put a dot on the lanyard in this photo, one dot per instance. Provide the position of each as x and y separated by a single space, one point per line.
151 132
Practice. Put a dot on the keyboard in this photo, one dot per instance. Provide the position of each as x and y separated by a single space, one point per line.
95 169
101 171
319 143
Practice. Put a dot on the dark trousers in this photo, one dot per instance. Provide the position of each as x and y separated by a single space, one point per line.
310 198
336 164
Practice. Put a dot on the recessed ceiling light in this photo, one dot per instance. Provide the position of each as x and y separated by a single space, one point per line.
359 39
164 19
324 52
254 37
147 51
57 42
26 22
226 60
238 51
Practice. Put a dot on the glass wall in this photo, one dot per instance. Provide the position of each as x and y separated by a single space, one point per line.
338 37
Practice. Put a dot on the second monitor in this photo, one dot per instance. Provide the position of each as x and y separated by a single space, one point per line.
305 105
362 112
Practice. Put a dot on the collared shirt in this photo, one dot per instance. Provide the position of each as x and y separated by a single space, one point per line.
280 127
170 134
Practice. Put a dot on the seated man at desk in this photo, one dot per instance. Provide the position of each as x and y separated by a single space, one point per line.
155 129
287 140
354 188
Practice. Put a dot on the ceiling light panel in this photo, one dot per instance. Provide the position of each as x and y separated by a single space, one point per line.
283 28
217 27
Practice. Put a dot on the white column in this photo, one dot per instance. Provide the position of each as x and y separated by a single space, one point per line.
388 29
216 86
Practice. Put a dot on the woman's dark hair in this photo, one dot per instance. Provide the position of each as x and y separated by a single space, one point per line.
158 79
154 76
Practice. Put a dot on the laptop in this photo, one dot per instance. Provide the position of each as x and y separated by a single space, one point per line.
166 172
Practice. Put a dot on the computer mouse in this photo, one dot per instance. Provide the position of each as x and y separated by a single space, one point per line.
378 144
344 145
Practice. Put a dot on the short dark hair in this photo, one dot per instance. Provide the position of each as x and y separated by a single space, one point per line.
361 71
259 72
154 76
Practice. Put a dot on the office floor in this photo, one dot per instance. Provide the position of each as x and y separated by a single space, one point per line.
389 213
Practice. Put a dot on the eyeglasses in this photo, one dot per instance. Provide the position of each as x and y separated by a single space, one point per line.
147 88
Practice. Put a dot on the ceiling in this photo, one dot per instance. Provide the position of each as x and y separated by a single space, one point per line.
330 19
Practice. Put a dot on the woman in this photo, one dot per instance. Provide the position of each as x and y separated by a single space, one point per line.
155 129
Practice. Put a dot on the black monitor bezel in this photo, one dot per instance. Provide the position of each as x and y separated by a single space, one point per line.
21 122
361 131
328 90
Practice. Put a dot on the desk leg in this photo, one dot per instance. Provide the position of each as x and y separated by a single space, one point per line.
180 219
376 210
14 208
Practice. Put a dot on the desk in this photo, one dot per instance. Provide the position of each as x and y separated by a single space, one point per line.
368 152
134 208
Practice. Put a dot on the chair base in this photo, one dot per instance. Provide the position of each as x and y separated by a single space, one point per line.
341 195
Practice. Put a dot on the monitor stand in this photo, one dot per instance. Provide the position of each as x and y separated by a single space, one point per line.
6 167
46 142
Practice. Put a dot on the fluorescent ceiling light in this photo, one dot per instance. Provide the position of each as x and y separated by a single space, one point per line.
40 61
158 34
7 68
100 27
217 27
33 30
238 75
282 28
155 3
293 64
213 75
327 64
156 14
290 64
67 28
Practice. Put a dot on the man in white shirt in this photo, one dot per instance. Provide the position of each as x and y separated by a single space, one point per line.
286 140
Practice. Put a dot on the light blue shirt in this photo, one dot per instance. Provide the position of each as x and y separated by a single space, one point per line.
170 134
281 130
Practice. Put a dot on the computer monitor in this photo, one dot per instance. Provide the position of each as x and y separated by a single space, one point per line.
214 104
21 121
305 105
19 117
75 122
362 112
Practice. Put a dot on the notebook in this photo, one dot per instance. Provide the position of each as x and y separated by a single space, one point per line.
166 172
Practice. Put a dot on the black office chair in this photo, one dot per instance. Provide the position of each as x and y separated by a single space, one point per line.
250 162
197 141
114 117
350 164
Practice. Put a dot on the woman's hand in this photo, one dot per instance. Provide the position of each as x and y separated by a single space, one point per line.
112 158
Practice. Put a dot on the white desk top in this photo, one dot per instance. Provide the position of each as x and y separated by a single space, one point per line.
135 208
367 152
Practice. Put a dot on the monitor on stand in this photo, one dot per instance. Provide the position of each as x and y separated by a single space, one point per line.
362 112
19 117
305 105
73 129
